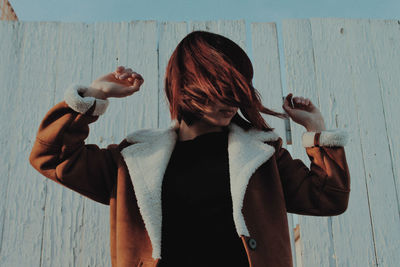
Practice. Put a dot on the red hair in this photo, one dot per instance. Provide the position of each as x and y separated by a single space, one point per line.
206 67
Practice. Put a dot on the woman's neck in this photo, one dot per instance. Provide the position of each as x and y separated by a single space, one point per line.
186 132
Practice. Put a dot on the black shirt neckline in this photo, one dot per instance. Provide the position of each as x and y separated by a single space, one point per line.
208 135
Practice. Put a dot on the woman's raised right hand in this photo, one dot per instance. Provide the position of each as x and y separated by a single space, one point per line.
120 83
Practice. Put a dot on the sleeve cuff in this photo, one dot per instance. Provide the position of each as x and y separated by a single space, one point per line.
334 137
83 104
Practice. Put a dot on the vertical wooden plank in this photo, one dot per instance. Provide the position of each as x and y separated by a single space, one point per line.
300 80
267 76
135 48
142 55
335 59
371 126
33 96
64 207
110 50
170 34
234 30
386 45
110 46
10 56
328 54
267 80
346 45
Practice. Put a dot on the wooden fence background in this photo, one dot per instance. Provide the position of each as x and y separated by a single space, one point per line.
348 67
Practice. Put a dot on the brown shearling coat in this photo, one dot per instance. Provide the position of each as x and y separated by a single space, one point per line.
266 182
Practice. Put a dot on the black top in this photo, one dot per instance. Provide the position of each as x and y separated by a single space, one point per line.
197 220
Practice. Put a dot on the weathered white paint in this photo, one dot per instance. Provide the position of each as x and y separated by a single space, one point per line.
142 108
348 68
300 77
337 59
373 136
26 190
267 81
109 42
63 221
10 58
387 56
333 72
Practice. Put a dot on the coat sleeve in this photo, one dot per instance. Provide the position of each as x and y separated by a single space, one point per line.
322 189
59 151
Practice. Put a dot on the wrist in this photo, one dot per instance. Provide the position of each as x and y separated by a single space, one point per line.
316 127
80 99
96 93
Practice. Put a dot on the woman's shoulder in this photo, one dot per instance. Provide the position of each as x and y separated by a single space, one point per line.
149 135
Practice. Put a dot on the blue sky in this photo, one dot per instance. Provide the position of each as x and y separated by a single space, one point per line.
180 10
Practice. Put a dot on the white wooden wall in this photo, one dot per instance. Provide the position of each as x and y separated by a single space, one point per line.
349 68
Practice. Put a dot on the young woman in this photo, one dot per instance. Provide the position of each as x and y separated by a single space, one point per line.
213 189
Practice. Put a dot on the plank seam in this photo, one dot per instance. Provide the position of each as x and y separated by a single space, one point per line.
4 217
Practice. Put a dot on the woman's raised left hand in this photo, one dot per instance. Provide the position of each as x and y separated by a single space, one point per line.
304 112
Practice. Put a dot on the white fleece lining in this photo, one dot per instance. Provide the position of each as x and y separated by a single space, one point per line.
83 104
141 159
153 147
247 151
332 137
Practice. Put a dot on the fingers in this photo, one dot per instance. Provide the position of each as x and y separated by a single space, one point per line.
297 101
127 72
120 69
135 87
122 73
134 76
301 100
287 103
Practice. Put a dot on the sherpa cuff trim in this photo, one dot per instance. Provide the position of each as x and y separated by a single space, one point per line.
334 137
83 104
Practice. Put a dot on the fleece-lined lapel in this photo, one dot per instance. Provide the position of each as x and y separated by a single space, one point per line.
148 157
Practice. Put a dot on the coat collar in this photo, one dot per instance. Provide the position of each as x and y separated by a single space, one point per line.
148 156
